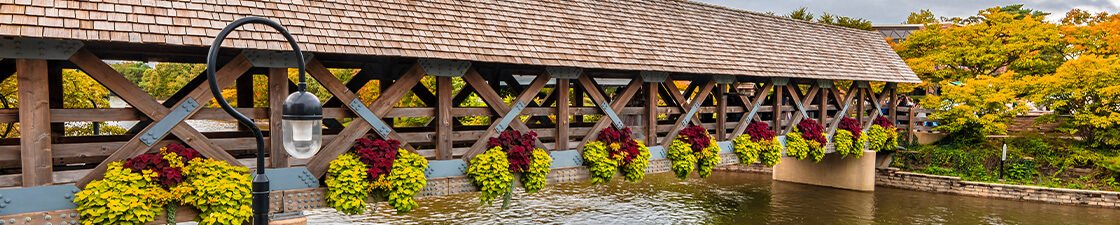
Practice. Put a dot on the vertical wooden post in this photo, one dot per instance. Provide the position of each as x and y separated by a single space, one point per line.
444 91
563 98
893 105
244 86
34 120
277 93
651 113
721 112
823 105
777 111
55 89
859 104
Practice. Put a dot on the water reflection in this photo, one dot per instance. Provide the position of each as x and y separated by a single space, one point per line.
724 198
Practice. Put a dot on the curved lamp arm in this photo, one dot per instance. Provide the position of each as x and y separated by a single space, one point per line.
260 182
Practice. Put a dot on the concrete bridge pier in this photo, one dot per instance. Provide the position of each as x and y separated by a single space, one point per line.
833 171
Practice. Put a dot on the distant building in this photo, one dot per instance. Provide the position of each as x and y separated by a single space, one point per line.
899 32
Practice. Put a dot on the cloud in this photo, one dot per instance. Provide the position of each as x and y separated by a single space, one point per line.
894 12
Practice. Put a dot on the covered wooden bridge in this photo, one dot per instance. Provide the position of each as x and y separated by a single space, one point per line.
653 65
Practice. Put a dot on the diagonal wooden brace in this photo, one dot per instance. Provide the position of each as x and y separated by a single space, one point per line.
683 120
146 104
843 111
800 103
754 106
359 127
614 107
499 106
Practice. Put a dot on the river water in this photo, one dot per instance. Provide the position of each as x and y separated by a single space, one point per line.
723 198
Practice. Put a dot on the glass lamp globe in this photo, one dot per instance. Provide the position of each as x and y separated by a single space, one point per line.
302 125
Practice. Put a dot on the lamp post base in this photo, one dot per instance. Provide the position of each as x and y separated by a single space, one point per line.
260 199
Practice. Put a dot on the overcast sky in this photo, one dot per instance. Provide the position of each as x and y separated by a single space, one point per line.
895 11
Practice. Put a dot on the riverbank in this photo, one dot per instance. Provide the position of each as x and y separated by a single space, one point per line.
895 178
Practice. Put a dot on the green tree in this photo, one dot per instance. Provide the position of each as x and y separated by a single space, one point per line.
167 78
133 71
977 108
921 17
800 14
1088 90
827 18
1000 43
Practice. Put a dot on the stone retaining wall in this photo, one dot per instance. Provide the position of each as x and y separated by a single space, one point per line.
752 168
893 178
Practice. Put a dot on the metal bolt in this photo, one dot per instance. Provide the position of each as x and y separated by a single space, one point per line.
74 215
47 217
27 219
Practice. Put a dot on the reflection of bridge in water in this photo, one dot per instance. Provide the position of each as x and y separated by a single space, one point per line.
656 68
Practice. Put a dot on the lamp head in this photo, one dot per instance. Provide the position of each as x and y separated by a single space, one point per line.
302 125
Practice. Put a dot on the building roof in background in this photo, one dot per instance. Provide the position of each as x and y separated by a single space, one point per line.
647 35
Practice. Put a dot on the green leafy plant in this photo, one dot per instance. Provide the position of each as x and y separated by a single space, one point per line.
797 146
534 179
613 151
375 168
122 197
681 156
221 192
847 144
693 146
598 161
347 184
746 149
490 172
883 135
406 179
773 155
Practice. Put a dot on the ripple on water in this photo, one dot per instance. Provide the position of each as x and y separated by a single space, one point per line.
723 198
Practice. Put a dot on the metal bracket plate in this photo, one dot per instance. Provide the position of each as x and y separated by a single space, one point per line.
172 119
378 125
653 76
282 179
562 159
610 114
444 68
725 146
692 111
801 108
38 48
37 199
863 84
824 83
657 152
724 79
275 59
754 110
508 118
891 85
564 72
445 168
780 81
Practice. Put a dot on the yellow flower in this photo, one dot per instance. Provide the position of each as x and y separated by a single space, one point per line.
615 146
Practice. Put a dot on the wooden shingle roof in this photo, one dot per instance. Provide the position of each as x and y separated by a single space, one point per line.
647 35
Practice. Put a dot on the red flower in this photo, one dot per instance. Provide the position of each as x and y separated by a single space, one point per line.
697 137
811 130
759 131
170 176
377 154
884 122
851 125
519 147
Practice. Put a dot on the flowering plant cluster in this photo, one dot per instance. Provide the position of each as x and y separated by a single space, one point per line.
883 135
758 144
379 168
518 146
510 154
615 150
691 146
849 139
806 141
138 189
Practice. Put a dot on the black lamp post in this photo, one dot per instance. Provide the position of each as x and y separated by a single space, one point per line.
302 115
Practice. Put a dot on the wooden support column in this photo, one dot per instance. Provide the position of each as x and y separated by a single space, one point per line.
444 94
277 93
563 99
893 104
859 104
34 121
651 113
721 112
777 110
823 106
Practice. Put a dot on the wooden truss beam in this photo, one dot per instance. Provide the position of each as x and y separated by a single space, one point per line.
499 106
616 105
34 121
681 121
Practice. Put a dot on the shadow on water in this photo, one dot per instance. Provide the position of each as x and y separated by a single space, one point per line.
723 198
